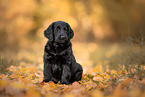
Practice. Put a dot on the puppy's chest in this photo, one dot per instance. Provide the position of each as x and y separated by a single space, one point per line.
59 57
58 53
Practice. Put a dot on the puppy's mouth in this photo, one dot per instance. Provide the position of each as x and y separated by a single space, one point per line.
61 41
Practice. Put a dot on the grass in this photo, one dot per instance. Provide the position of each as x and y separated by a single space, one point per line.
113 54
110 55
5 63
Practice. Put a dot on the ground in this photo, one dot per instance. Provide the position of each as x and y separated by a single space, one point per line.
102 75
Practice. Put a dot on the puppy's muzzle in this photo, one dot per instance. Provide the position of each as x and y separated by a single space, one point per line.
62 37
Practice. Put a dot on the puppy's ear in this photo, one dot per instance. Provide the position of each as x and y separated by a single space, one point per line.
71 32
48 33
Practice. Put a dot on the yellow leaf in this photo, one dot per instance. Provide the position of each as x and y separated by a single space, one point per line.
32 70
102 85
96 93
45 89
127 80
17 71
26 80
32 76
32 92
52 85
24 70
3 83
49 87
98 78
98 68
13 75
107 77
75 88
17 85
113 71
52 95
69 95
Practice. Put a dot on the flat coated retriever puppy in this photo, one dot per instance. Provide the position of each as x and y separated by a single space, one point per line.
59 62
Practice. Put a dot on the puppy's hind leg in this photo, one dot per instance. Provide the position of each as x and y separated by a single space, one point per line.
77 75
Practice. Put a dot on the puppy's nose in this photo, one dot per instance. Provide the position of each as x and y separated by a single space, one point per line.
62 37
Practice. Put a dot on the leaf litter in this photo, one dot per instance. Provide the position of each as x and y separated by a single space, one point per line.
22 81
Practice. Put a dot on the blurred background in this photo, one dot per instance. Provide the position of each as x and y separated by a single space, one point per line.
106 32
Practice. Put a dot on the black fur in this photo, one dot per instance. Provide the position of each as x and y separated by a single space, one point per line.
59 61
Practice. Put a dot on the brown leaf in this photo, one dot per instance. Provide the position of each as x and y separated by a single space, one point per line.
10 91
75 88
32 92
42 83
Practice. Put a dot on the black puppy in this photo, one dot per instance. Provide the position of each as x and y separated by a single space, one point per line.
59 61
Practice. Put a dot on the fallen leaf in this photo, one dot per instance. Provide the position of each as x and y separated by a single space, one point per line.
32 92
98 78
10 91
17 84
3 83
2 75
96 93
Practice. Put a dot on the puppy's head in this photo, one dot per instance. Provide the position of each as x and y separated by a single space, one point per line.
59 32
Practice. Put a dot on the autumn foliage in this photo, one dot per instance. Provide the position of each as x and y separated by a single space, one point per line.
26 81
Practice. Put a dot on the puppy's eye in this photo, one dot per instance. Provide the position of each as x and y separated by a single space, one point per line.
65 28
58 27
